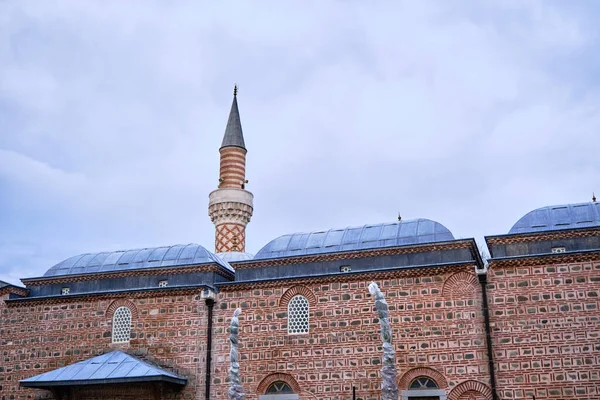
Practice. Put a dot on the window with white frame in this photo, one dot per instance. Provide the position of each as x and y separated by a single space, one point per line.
164 283
298 315
64 291
121 326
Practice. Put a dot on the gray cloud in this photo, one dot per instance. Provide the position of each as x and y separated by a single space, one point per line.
111 113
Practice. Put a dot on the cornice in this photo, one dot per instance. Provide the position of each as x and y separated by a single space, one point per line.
349 255
345 277
44 280
546 235
542 259
14 289
154 292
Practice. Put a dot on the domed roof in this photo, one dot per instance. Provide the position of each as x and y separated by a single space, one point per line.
166 256
569 216
232 256
356 238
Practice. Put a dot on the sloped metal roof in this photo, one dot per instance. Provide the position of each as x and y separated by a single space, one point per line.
355 238
113 367
166 256
568 216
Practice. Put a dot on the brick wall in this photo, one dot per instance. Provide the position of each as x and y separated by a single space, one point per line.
232 170
36 338
546 331
436 320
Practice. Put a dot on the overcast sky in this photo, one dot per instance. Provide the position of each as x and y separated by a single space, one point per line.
470 113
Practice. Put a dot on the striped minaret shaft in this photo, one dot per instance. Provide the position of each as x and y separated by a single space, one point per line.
230 206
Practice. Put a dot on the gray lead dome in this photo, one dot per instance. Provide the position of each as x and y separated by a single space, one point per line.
166 256
568 216
355 238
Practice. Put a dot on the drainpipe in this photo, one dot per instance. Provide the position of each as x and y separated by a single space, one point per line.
482 275
209 297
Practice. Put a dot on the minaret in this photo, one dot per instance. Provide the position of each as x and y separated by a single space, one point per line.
230 206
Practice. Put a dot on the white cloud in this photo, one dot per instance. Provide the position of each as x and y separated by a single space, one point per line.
112 114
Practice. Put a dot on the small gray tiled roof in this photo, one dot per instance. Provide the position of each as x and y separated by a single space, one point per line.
233 132
165 256
113 367
568 216
3 284
356 238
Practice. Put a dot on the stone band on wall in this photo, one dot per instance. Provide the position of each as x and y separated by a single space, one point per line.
230 210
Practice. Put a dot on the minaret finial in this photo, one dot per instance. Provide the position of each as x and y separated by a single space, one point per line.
593 197
235 89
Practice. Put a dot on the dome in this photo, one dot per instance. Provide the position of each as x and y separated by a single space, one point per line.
355 238
156 257
569 216
232 256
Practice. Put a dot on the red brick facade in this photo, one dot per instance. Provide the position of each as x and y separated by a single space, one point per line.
544 320
546 328
436 320
169 330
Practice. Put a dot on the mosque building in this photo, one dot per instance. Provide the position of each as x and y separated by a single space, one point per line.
152 323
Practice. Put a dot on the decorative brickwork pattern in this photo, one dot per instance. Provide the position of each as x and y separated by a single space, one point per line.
110 311
339 278
550 235
297 290
545 328
128 273
342 348
277 377
410 375
230 237
471 390
461 284
232 172
169 331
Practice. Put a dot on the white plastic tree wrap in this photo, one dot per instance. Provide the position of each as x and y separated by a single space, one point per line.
236 391
389 386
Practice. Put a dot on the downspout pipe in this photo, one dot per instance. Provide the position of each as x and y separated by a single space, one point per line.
488 336
210 303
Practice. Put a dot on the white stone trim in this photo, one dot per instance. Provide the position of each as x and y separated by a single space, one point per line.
407 394
285 396
230 195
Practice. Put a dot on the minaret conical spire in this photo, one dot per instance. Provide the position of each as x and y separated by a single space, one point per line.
233 132
230 206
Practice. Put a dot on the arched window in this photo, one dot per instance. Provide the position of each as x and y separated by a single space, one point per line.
279 388
423 382
121 325
298 315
